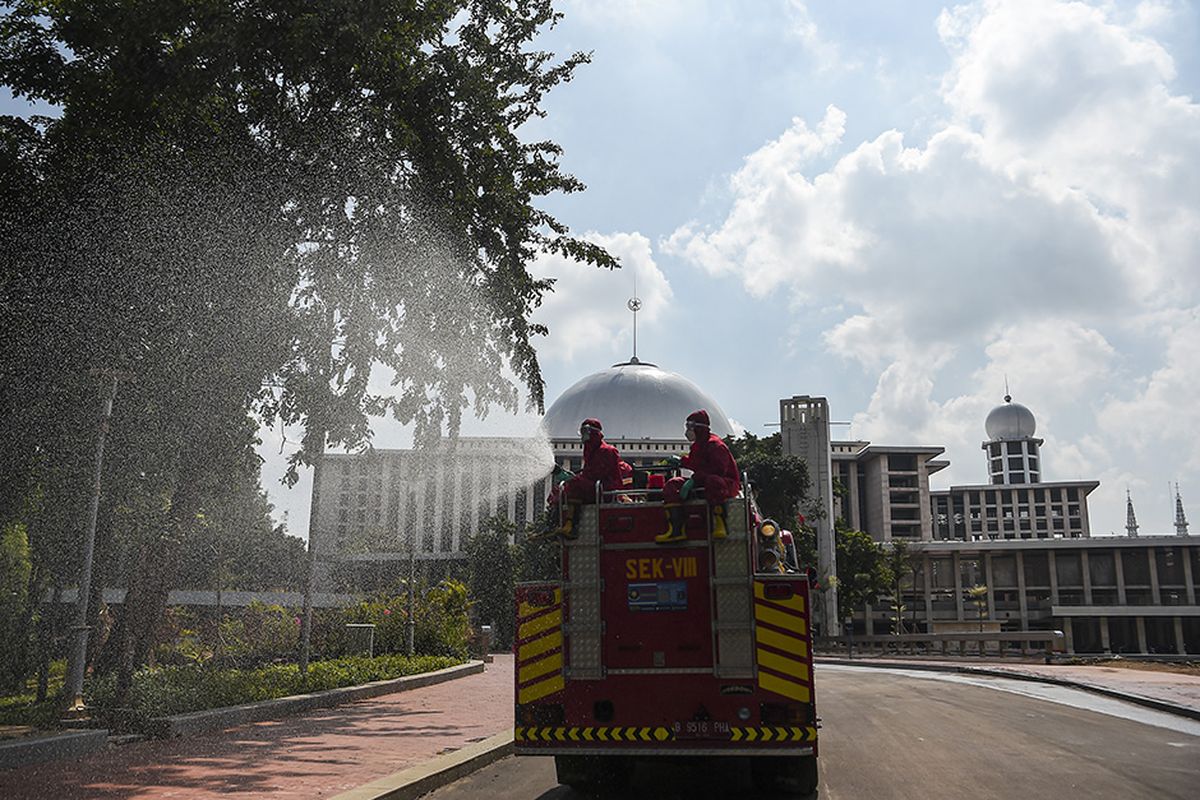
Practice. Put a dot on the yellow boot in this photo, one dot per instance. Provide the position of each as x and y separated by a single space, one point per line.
718 522
567 529
676 525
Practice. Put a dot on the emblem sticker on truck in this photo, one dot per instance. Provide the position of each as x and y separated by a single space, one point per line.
667 596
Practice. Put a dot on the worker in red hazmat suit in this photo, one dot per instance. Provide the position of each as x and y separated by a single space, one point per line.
713 470
601 462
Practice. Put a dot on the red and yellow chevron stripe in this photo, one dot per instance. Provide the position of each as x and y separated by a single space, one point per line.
781 639
539 649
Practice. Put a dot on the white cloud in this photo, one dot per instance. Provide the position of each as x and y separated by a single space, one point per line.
587 313
1033 235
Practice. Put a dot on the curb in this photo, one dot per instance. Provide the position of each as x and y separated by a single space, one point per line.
197 722
415 781
964 669
74 744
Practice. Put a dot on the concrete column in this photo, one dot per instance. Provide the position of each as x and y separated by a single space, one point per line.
1104 643
927 579
476 466
1140 622
991 595
1069 635
1180 644
1119 563
456 532
1086 567
421 523
439 505
1155 595
1053 578
1021 599
869 618
1189 580
958 587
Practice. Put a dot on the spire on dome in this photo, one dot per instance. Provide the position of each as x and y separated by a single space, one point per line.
1181 523
1131 525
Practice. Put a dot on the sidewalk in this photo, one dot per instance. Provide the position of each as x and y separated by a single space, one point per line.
318 754
1182 692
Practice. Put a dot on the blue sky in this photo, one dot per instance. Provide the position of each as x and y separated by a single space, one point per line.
895 204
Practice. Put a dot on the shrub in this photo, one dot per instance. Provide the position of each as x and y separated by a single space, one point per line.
163 691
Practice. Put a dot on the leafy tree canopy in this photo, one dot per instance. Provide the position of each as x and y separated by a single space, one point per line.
780 482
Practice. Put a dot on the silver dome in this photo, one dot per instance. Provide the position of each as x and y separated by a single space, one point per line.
1010 421
633 400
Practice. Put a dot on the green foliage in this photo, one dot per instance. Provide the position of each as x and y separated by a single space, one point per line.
15 569
245 208
163 691
780 482
899 562
259 633
441 613
22 707
862 572
495 567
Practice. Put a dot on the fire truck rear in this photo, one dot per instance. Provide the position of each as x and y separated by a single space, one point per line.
651 651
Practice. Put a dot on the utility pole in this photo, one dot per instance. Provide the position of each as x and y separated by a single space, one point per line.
79 631
311 579
412 577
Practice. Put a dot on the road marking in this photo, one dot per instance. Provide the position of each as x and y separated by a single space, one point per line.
1065 696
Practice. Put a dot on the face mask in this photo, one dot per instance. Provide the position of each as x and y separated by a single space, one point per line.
583 436
691 435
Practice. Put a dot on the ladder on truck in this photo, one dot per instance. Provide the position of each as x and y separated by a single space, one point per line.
730 576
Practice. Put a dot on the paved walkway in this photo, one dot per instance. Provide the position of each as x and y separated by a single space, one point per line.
1168 687
312 755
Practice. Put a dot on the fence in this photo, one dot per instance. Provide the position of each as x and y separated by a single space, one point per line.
1048 643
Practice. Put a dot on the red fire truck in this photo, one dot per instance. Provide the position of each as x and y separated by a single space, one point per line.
645 650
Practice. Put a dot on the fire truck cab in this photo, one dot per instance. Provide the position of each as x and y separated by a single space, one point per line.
686 650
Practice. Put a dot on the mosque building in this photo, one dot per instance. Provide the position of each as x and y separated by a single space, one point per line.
1026 538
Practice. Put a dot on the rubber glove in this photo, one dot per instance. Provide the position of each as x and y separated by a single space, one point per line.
686 489
559 475
671 461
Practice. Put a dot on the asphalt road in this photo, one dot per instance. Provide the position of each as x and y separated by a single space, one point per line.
897 734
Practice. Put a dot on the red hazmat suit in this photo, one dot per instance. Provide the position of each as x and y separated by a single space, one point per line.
712 465
601 462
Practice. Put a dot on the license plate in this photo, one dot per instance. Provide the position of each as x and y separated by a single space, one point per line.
701 729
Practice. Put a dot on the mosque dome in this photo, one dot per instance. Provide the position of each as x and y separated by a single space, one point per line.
633 400
1010 421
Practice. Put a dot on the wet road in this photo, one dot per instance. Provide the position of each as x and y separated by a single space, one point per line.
902 734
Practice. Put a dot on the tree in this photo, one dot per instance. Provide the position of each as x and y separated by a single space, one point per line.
15 570
898 562
861 570
250 208
780 482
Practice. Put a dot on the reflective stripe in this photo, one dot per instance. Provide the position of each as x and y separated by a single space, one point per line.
778 685
538 646
780 619
540 624
781 641
788 666
540 689
536 669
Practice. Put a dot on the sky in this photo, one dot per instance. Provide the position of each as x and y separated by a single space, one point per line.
895 204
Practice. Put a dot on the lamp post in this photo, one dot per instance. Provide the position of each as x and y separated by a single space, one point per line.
79 631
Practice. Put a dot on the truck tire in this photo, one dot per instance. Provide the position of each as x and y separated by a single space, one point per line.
591 772
789 775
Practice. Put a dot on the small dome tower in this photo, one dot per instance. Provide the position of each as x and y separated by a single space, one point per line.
1012 450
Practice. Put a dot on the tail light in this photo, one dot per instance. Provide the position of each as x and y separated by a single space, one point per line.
777 591
545 714
785 714
540 597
